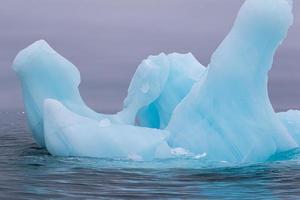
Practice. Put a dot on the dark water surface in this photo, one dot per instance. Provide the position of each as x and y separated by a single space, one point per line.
27 172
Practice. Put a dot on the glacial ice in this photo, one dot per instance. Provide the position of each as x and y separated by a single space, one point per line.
229 115
175 74
291 120
44 74
70 134
175 106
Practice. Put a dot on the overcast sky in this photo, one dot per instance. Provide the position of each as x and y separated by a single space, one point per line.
107 40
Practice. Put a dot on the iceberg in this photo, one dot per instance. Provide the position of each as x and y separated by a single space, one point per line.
70 134
175 106
43 74
229 115
176 74
291 120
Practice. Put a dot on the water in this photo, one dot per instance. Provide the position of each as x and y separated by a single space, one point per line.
28 172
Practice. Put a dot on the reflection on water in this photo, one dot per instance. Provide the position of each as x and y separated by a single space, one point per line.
27 172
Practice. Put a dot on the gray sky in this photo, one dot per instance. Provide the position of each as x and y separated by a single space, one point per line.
107 40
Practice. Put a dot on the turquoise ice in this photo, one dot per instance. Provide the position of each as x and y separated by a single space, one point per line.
175 106
44 74
229 115
175 75
291 120
70 134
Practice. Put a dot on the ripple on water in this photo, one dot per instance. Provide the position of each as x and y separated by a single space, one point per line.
29 172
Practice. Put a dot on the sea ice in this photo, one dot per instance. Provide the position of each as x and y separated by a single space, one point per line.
45 74
229 115
69 134
174 106
291 120
172 77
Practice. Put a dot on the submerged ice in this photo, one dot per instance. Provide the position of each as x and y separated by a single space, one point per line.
175 106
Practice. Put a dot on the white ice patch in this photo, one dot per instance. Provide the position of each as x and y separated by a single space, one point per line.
145 88
179 152
105 123
135 157
198 156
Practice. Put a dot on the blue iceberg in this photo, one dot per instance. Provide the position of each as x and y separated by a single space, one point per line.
69 134
175 106
229 114
173 77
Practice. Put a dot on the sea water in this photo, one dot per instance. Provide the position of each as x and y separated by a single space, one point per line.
28 172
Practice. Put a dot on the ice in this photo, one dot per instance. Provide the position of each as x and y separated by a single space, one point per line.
174 106
229 115
179 72
69 134
180 152
105 123
291 120
199 156
135 157
44 73
145 88
146 84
